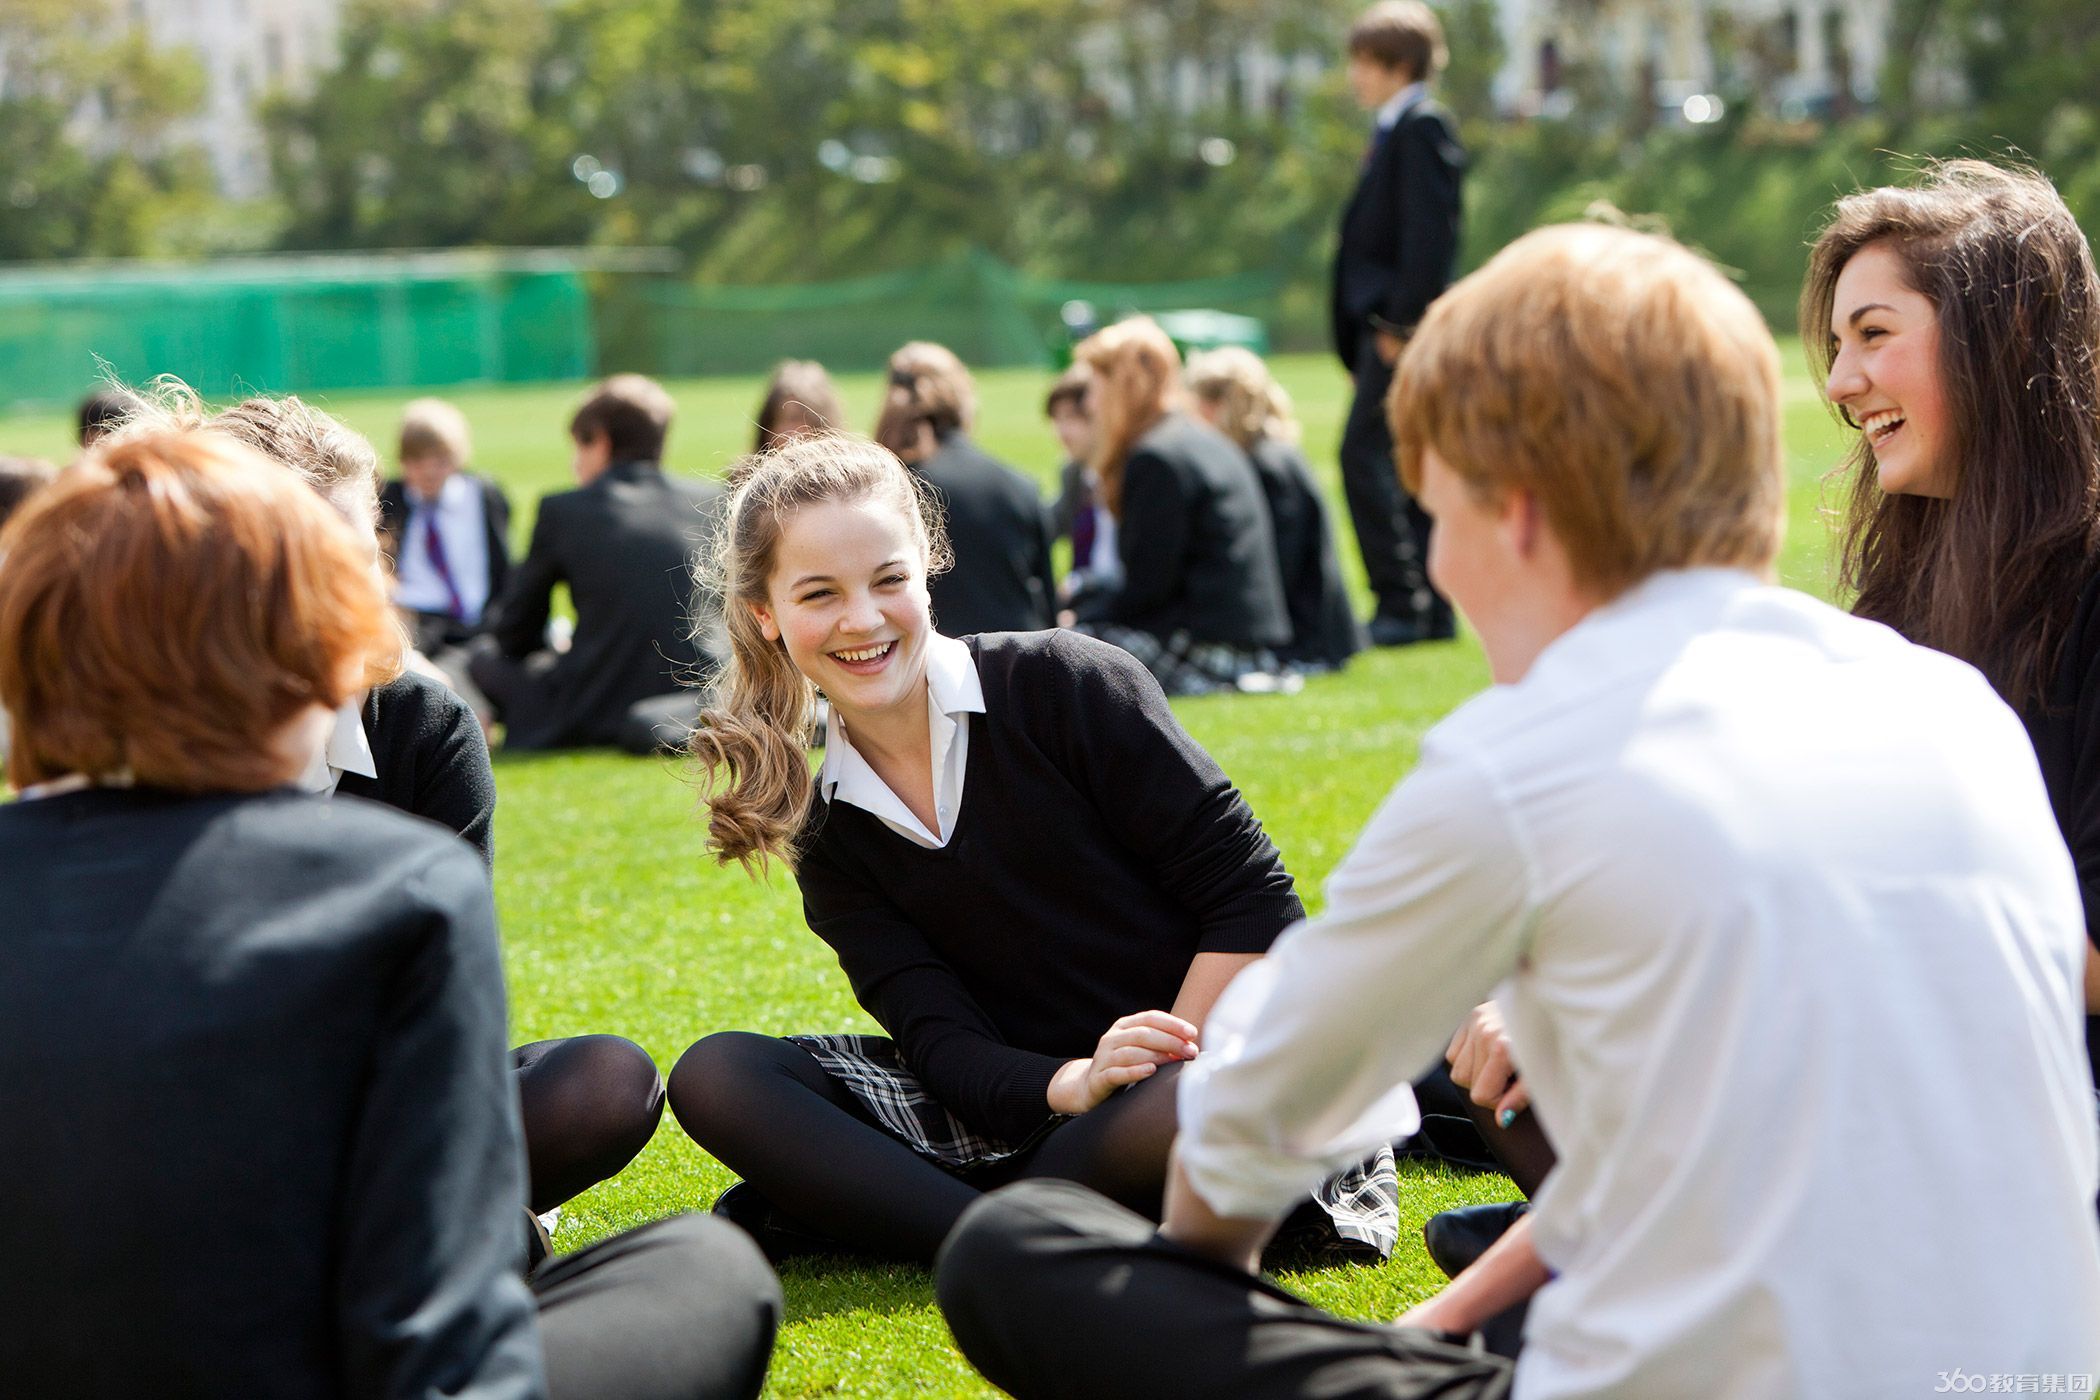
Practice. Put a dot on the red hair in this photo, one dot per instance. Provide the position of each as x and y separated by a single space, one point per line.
168 606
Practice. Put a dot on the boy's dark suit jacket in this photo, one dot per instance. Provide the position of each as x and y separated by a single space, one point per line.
495 518
1400 230
1002 580
624 544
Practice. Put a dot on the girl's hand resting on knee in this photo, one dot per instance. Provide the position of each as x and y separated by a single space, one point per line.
1133 1049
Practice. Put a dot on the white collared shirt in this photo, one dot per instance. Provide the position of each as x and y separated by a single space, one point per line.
1395 107
348 750
460 519
1793 950
953 694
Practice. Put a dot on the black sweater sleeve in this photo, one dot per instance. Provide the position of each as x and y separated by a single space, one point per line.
1167 799
431 759
455 785
431 1300
943 1035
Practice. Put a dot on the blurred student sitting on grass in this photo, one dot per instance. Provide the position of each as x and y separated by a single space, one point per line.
261 1138
1238 396
623 541
800 398
1078 514
1200 601
1791 945
446 530
1002 579
624 544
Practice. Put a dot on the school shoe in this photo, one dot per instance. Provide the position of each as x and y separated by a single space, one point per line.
1386 630
539 1243
1456 1238
745 1207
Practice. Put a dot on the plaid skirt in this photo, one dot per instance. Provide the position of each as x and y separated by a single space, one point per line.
1362 1203
1184 666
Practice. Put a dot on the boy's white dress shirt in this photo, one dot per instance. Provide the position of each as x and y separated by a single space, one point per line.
1794 954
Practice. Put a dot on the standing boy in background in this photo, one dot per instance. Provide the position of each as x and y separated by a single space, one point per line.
1399 242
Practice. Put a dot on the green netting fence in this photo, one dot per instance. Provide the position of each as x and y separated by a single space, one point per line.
976 305
383 321
295 324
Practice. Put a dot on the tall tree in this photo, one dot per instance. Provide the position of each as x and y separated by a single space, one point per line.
89 160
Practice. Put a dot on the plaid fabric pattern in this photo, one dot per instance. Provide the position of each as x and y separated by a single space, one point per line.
1362 1203
1185 666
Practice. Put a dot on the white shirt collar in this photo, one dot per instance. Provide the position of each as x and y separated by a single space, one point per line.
1395 107
348 750
953 691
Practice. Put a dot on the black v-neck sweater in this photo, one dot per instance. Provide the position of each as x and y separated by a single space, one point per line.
1097 850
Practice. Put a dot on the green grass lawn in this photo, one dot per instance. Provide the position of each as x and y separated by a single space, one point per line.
614 919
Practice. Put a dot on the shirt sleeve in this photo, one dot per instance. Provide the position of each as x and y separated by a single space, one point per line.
1167 800
432 1302
943 1035
1309 1054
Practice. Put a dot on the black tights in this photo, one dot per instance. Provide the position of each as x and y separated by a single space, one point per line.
590 1104
767 1110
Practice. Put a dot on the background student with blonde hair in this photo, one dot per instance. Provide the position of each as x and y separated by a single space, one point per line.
1707 832
446 530
1237 395
1200 601
1034 879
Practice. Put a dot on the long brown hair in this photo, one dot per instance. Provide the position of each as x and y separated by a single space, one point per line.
800 398
752 747
1992 574
928 385
1137 381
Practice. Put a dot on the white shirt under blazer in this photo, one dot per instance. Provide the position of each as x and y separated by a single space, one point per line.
1793 955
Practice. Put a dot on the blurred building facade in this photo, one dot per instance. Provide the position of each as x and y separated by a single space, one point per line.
245 48
1801 58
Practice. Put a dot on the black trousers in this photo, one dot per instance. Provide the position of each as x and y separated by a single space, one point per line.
1392 529
684 1309
517 688
1054 1292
